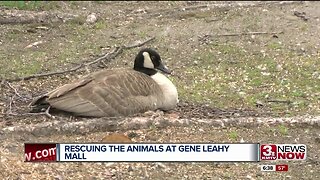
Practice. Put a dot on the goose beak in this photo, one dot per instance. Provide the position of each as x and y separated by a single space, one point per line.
164 69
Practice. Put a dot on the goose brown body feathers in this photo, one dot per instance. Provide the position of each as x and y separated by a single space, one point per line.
113 92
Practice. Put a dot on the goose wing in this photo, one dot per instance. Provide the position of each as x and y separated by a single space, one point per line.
107 93
42 101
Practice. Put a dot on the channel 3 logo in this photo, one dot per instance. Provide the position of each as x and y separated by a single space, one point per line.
268 152
283 152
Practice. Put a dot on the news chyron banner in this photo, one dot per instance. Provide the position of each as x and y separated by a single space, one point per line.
142 152
158 152
161 152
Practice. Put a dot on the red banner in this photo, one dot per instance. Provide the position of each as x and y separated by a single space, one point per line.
40 152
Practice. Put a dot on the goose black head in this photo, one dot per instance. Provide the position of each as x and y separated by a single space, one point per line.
148 60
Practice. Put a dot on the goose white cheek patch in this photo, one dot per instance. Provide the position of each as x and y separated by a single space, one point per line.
147 61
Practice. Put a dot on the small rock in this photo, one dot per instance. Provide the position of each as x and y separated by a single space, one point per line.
58 177
91 18
34 44
109 164
140 11
259 103
10 128
113 171
265 73
242 94
249 177
161 165
279 67
42 28
130 169
133 135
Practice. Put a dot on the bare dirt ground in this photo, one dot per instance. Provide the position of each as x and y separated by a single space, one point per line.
245 72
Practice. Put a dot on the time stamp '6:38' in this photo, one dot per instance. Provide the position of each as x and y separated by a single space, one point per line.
281 167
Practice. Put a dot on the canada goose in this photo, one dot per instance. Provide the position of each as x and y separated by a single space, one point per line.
116 92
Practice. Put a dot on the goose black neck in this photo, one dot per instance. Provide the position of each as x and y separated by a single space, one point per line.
146 71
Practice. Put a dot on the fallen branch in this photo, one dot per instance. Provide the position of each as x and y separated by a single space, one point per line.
85 125
107 56
279 101
10 105
236 5
46 113
250 33
29 17
15 90
45 74
139 44
243 34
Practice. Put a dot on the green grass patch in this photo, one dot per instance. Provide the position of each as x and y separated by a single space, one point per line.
30 5
217 80
233 135
100 24
21 66
283 129
274 45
